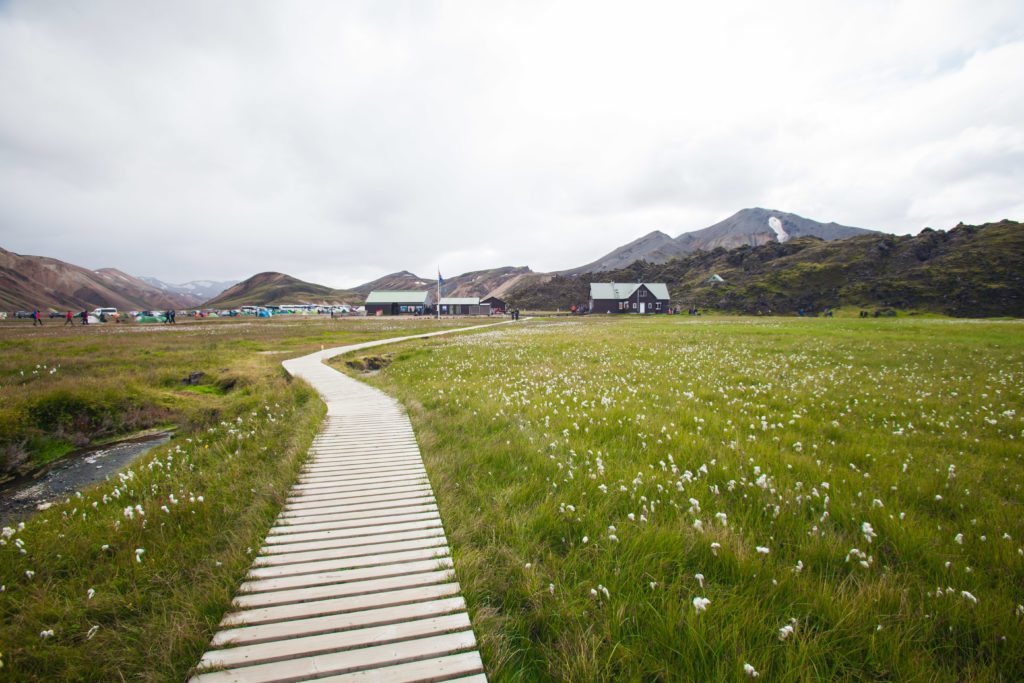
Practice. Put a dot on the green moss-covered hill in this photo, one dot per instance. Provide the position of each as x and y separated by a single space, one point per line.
969 271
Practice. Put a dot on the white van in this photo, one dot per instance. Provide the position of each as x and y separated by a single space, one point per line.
101 313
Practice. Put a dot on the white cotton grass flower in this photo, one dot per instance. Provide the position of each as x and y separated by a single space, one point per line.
798 567
967 596
868 531
700 579
90 593
762 550
92 631
750 671
48 633
700 604
788 630
586 540
959 539
138 554
715 547
29 573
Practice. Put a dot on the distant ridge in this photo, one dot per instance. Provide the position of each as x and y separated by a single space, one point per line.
30 281
748 227
969 271
277 288
198 290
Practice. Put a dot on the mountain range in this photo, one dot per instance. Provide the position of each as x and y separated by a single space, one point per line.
771 245
199 290
969 271
749 227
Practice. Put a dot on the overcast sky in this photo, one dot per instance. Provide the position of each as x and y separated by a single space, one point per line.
340 141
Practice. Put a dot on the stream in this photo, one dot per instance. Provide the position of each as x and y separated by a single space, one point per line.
20 498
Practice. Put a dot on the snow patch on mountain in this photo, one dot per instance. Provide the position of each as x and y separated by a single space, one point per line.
780 233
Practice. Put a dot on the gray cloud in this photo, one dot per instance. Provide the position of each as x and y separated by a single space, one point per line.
339 141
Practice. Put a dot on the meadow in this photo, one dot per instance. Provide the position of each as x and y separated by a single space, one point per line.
728 498
128 580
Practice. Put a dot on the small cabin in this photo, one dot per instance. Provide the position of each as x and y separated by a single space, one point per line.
396 302
463 305
629 297
497 305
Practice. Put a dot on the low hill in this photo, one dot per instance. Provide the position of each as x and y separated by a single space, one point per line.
267 289
749 227
30 281
970 271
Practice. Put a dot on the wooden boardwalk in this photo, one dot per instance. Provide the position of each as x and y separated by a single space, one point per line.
355 581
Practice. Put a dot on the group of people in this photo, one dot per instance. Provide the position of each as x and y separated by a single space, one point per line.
514 313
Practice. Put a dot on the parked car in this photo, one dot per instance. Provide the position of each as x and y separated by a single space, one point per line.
23 314
57 314
105 313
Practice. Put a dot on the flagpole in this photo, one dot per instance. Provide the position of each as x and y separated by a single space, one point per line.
437 303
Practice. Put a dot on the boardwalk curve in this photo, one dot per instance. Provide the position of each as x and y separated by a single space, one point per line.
354 581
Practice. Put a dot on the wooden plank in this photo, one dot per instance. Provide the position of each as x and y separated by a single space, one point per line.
355 603
295 628
426 499
343 514
330 482
303 668
353 496
334 534
375 521
338 590
355 551
352 542
325 565
286 583
462 665
309 646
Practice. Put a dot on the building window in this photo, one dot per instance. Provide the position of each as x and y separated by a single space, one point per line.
634 304
643 293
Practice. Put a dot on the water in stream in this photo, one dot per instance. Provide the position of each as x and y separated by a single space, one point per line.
22 497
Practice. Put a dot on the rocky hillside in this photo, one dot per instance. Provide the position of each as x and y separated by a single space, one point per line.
30 281
749 227
970 271
403 280
481 283
267 289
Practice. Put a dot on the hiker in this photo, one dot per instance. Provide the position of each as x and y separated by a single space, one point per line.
174 317
85 317
167 317
69 319
37 319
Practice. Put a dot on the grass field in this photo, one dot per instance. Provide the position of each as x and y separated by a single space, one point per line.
129 580
703 499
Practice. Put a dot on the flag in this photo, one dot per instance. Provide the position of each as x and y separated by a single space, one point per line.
440 280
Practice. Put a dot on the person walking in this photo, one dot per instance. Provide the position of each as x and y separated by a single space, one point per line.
69 319
85 317
37 319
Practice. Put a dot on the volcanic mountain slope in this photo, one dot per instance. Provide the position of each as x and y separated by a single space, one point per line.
749 227
403 280
267 289
30 281
971 271
479 283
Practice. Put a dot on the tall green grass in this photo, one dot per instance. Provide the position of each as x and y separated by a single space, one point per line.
596 476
